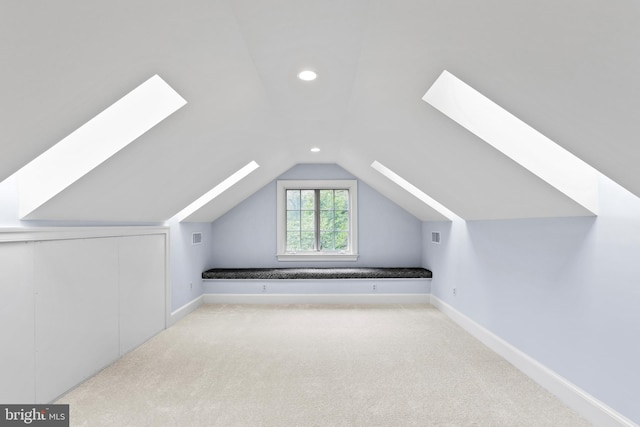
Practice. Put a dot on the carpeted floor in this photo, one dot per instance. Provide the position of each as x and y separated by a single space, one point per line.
307 365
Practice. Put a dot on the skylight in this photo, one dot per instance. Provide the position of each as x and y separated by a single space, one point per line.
95 141
217 190
415 191
515 139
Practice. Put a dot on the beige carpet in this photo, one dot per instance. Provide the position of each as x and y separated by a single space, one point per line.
306 365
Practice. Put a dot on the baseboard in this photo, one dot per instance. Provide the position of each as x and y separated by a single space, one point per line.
577 399
184 310
316 298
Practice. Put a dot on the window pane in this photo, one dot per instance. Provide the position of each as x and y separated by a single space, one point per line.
342 199
293 241
308 199
317 219
308 220
342 220
307 241
326 221
293 200
326 241
293 220
326 199
342 241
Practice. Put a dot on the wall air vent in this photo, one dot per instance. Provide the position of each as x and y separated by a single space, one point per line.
196 238
435 237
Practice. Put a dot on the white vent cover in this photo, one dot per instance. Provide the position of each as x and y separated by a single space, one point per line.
435 237
196 238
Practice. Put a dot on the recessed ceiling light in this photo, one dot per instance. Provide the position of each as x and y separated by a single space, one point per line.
315 150
307 75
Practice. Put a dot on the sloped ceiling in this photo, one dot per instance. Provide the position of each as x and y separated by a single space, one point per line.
568 68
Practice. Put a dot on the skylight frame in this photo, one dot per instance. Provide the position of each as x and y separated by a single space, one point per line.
227 183
94 142
416 192
515 139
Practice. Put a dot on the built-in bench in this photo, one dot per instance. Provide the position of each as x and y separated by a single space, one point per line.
315 273
316 285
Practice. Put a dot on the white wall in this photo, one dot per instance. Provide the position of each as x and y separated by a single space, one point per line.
17 323
72 301
246 236
188 261
76 312
317 286
566 291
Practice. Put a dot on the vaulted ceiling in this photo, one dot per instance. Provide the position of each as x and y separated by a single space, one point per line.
568 68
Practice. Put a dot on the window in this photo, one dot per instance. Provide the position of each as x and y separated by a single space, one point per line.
317 220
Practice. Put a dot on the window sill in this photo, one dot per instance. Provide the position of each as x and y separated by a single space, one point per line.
317 257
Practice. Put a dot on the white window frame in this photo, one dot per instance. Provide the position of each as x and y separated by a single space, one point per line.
283 186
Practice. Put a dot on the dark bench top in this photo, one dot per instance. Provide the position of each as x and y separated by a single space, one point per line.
317 273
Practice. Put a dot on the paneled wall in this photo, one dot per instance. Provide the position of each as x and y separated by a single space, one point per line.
17 352
72 302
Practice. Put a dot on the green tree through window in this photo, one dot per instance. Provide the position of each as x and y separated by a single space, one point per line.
317 220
